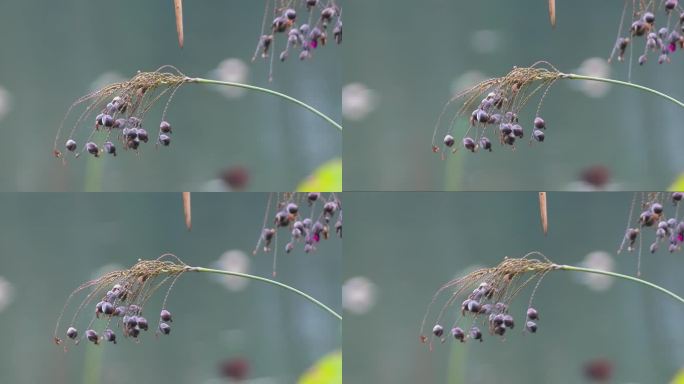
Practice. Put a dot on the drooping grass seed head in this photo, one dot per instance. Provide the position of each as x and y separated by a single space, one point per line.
677 197
531 326
290 14
107 121
539 123
292 208
538 135
532 314
670 5
506 129
142 323
107 308
657 208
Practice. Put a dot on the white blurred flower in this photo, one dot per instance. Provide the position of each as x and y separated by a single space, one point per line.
233 260
467 80
106 79
593 66
233 70
5 102
597 260
358 295
6 293
358 101
485 41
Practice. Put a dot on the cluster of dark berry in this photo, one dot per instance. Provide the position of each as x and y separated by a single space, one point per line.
129 317
479 303
113 118
311 230
492 112
664 41
670 230
306 36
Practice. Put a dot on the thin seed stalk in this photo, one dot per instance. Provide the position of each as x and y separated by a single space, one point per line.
269 281
573 76
620 276
270 92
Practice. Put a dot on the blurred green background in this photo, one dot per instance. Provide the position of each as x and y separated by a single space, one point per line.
53 52
409 56
51 243
408 244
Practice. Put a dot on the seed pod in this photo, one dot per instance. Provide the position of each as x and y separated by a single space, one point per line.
474 306
327 13
107 121
109 335
677 197
437 330
508 321
449 141
133 144
538 135
120 123
646 218
313 196
292 208
485 144
98 120
70 145
671 222
164 140
282 219
469 144
165 328
165 316
134 332
531 326
670 5
107 308
289 247
142 135
649 17
72 333
638 28
501 307
458 334
98 308
505 129
498 320
482 116
338 228
486 309
653 248
517 131
142 323
657 208
290 14
475 333
532 314
110 148
120 310
165 127
311 3
92 148
494 119
92 336
132 322
499 330
134 309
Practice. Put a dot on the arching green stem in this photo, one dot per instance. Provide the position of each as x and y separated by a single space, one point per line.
573 76
269 281
270 92
620 276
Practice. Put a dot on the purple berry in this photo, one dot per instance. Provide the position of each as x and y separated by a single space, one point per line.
164 140
72 333
92 336
70 145
165 328
92 148
539 123
165 127
538 135
469 144
458 334
531 326
532 314
109 335
165 315
449 141
437 330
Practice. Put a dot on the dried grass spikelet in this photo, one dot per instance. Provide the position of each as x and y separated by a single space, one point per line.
505 280
138 284
509 93
135 97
